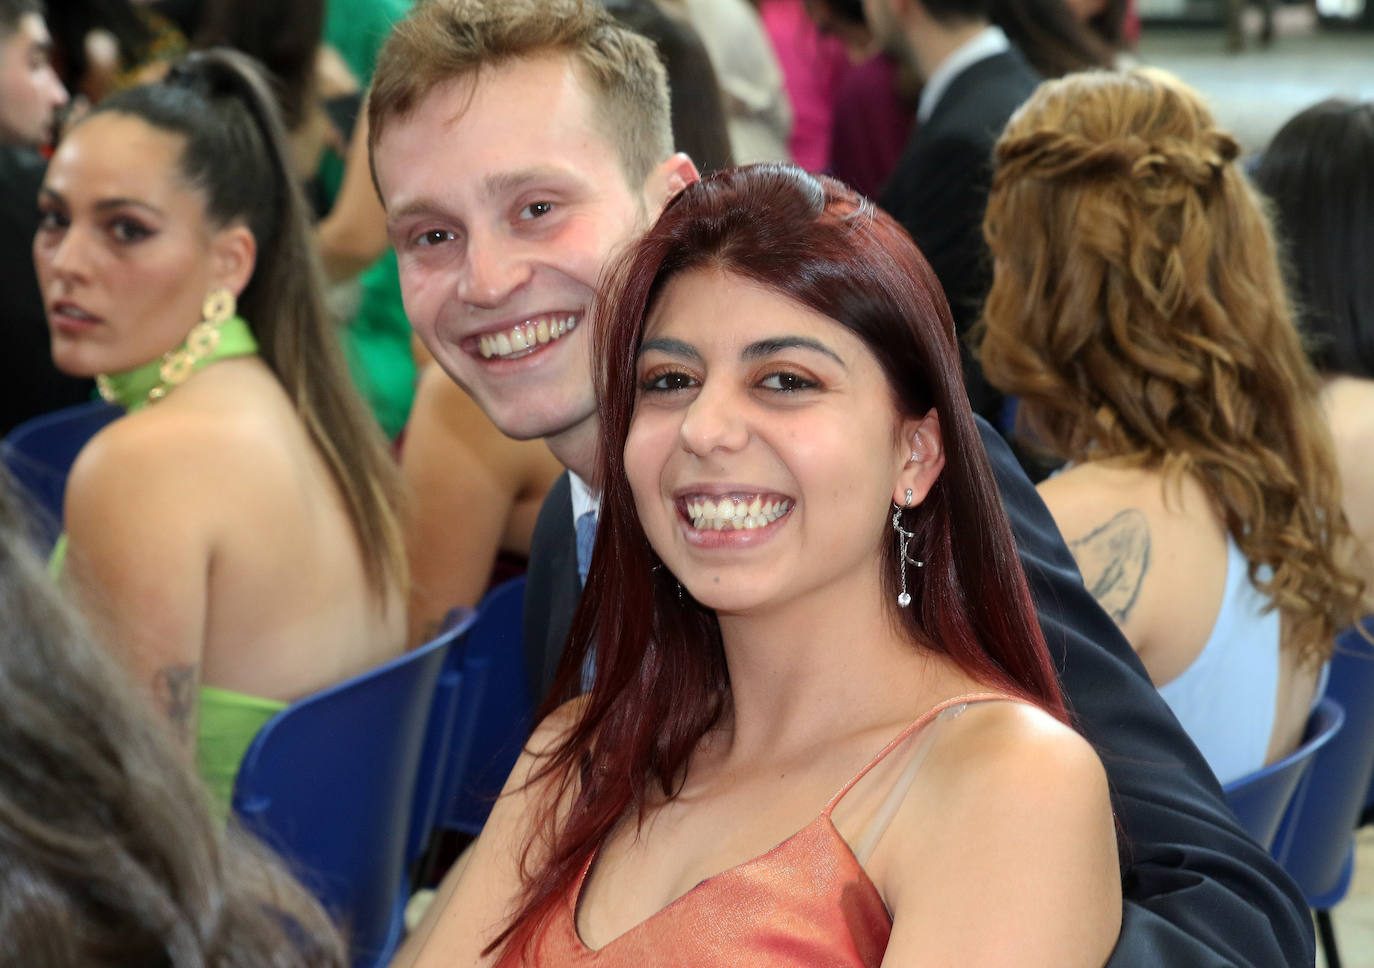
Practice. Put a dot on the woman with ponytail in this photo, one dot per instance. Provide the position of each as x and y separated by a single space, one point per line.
1138 311
235 537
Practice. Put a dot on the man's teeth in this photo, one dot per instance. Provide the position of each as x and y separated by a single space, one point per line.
735 514
524 337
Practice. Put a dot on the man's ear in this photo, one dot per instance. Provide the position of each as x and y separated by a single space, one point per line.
669 177
923 450
233 253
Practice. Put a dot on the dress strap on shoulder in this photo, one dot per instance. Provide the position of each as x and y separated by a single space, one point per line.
924 719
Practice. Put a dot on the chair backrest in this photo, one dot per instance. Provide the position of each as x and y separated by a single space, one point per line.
40 451
1315 843
328 783
494 711
1260 798
440 731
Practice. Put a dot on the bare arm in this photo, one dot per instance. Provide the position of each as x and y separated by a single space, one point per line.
480 893
353 235
138 561
1019 866
472 487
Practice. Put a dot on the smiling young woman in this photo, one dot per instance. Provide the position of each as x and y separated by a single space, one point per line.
777 369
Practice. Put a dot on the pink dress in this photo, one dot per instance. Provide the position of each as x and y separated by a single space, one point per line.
807 903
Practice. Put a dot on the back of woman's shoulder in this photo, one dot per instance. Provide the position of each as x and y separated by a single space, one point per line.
1349 405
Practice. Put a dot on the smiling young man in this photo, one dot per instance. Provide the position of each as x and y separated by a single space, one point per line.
518 145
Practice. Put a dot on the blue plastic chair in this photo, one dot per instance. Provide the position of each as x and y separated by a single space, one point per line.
39 454
495 712
329 784
1260 798
1316 842
441 730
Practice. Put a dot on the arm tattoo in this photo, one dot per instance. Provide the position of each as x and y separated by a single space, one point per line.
1114 558
175 688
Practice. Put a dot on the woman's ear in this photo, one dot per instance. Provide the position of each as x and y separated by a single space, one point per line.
925 458
233 252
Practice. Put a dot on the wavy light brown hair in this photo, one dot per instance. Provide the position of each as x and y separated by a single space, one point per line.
1138 311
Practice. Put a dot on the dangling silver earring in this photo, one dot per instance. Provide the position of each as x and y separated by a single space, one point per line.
903 540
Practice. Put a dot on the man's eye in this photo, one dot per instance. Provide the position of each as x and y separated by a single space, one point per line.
536 210
786 382
434 237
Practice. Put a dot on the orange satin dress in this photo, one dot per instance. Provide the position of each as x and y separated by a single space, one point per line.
807 903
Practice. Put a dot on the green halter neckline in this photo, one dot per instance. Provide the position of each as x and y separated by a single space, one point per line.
134 389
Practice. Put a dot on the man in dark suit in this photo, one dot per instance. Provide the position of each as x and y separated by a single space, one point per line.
465 163
973 80
30 94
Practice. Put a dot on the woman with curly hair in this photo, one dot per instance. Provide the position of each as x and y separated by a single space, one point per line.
1138 311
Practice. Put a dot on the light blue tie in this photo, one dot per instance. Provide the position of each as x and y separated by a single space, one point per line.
586 540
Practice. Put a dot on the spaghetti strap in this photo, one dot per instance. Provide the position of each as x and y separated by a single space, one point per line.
922 720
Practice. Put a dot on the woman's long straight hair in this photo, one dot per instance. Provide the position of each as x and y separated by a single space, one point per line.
661 678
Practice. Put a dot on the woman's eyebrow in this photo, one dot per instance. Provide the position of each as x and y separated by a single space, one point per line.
767 347
673 347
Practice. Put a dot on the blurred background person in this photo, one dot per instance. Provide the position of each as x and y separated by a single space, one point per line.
474 496
757 113
875 102
31 95
1137 309
977 61
235 537
102 46
1319 173
109 853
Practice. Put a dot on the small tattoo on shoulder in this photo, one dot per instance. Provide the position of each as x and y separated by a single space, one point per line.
1113 559
175 688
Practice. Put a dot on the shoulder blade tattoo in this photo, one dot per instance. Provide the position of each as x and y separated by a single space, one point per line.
1114 558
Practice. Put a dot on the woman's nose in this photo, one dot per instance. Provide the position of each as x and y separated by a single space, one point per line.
715 421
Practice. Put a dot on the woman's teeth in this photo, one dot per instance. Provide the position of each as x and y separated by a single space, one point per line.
735 514
524 337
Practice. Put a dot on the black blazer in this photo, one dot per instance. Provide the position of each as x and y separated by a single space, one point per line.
939 190
29 382
1199 892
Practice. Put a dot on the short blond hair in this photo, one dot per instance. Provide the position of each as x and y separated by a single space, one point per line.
445 40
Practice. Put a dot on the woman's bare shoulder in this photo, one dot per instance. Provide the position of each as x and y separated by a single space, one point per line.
1014 816
1349 405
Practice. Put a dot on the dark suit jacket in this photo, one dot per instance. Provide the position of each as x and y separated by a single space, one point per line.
1199 892
939 191
29 383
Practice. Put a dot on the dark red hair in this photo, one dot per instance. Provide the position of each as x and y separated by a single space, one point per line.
661 679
